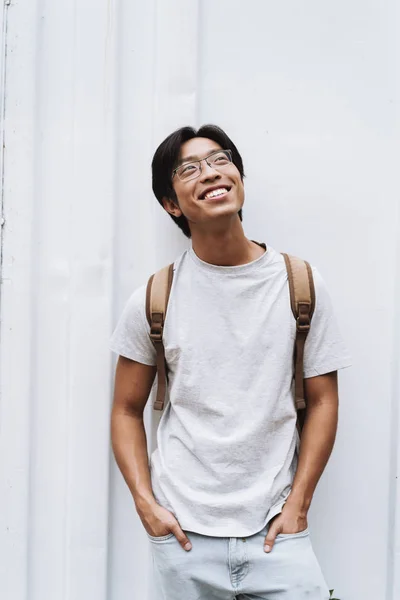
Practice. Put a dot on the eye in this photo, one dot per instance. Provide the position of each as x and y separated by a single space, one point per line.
220 159
187 169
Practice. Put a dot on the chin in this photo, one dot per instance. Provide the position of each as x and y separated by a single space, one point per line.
228 211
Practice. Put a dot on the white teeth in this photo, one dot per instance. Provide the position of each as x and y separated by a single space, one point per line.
217 192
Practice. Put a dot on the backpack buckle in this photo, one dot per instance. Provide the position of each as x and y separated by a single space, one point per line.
156 330
156 335
303 320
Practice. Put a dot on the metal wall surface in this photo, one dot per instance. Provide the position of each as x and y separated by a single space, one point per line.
309 93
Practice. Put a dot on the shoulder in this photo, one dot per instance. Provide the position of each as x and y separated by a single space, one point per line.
302 275
281 260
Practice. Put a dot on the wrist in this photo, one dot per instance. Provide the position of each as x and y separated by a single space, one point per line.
144 502
299 501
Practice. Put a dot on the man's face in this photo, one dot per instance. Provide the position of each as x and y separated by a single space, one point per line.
196 202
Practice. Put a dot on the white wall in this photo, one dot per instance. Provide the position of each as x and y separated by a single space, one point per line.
309 93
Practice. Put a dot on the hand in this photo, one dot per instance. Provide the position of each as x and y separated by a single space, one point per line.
290 520
159 521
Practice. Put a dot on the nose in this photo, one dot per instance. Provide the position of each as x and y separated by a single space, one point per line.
208 172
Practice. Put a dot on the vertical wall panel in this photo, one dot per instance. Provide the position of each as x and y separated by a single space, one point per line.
56 284
49 518
16 299
133 256
310 95
73 233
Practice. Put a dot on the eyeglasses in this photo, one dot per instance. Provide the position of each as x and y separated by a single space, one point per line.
217 160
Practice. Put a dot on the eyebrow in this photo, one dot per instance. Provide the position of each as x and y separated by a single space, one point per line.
194 157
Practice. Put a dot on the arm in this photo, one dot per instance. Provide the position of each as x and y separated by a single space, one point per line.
318 437
133 382
132 388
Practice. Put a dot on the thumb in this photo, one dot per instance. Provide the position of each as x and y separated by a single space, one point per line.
270 538
181 537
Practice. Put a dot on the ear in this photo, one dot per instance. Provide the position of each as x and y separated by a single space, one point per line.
171 207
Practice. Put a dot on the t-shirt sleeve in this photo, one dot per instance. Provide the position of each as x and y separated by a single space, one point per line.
131 335
325 349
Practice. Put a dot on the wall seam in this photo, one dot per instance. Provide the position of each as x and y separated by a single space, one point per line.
67 572
199 63
393 543
113 99
393 511
3 83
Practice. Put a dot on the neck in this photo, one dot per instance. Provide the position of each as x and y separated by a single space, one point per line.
228 248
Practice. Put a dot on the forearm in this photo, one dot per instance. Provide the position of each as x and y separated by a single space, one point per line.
129 445
317 440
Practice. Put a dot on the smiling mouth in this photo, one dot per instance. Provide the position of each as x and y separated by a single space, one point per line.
215 193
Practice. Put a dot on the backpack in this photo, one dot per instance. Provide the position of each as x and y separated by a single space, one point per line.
302 301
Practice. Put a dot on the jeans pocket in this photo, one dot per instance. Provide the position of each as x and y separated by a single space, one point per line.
293 535
161 538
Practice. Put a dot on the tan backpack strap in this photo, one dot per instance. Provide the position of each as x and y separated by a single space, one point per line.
157 296
302 301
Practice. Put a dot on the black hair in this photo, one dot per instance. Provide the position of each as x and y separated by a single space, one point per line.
166 157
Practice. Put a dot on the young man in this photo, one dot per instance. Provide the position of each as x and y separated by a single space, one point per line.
225 498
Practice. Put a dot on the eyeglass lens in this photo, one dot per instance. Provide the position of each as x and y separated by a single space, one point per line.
193 169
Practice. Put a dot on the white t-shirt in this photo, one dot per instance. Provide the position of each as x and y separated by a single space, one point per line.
227 441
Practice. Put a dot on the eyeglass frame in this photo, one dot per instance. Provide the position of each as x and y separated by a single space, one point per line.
191 162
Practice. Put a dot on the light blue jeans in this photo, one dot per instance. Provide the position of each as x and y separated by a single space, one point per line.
227 568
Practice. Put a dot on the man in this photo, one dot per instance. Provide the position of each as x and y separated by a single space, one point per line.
225 498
